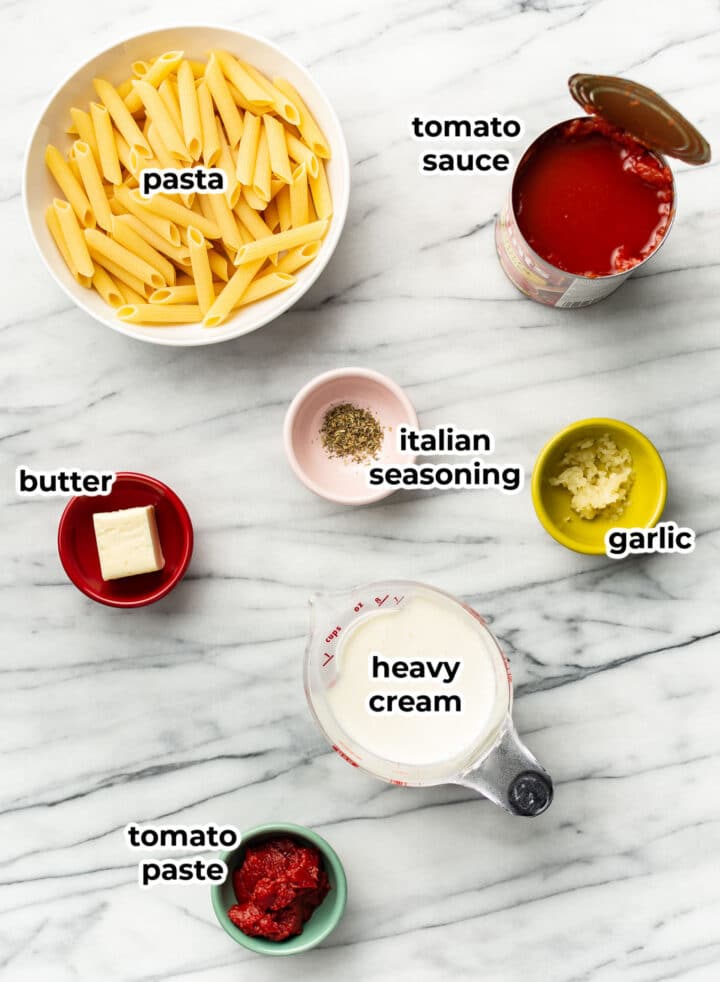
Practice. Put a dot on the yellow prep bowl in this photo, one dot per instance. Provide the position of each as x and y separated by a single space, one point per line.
645 503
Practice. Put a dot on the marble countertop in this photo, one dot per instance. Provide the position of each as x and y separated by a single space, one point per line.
192 711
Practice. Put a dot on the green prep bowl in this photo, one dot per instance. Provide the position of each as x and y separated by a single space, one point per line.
324 919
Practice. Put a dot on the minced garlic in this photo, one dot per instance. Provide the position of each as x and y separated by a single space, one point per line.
598 475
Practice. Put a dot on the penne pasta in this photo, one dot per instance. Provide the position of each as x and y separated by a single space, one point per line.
186 255
132 240
253 222
219 265
163 207
157 313
273 244
299 197
121 117
202 207
239 99
271 217
190 111
128 294
244 234
158 114
248 149
202 273
124 258
228 111
166 91
125 155
73 165
298 257
133 203
73 236
197 68
51 220
255 95
309 129
178 254
185 293
277 146
265 286
107 148
225 221
123 276
230 297
281 103
107 288
162 154
321 194
302 154
83 126
284 211
92 182
69 185
253 200
210 139
227 164
261 174
156 73
140 68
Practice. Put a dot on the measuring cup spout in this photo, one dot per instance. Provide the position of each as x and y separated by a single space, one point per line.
328 614
511 777
323 609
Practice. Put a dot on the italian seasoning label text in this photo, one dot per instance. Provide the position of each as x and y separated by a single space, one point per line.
467 161
450 441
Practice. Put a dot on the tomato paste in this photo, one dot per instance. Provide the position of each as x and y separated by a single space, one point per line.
591 200
278 887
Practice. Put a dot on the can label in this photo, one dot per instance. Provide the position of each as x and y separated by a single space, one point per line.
538 279
584 291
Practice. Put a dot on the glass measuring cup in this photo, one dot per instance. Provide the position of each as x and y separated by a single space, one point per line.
493 761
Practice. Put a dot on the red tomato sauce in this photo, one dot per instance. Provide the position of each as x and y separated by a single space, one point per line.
591 200
278 887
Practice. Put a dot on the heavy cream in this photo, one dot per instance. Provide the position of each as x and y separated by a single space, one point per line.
419 684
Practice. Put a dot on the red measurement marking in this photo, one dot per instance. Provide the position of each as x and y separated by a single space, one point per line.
380 602
345 756
328 659
359 606
400 784
508 672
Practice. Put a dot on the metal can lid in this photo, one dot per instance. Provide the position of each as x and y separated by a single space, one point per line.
643 113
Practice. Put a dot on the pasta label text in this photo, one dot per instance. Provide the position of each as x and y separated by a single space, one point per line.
208 180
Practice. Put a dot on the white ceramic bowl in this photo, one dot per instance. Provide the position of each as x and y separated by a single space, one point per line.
114 64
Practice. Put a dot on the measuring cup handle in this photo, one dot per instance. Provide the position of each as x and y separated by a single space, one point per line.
511 777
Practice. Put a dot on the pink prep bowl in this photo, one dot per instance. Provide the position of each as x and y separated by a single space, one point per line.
342 481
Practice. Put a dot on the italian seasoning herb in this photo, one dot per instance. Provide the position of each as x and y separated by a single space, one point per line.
351 432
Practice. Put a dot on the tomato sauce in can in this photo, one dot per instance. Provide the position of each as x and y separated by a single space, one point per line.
592 198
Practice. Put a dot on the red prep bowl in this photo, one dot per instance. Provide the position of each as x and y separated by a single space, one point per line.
78 548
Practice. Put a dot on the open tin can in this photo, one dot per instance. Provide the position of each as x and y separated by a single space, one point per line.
626 109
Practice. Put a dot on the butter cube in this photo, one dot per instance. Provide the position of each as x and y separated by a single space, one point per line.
127 542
